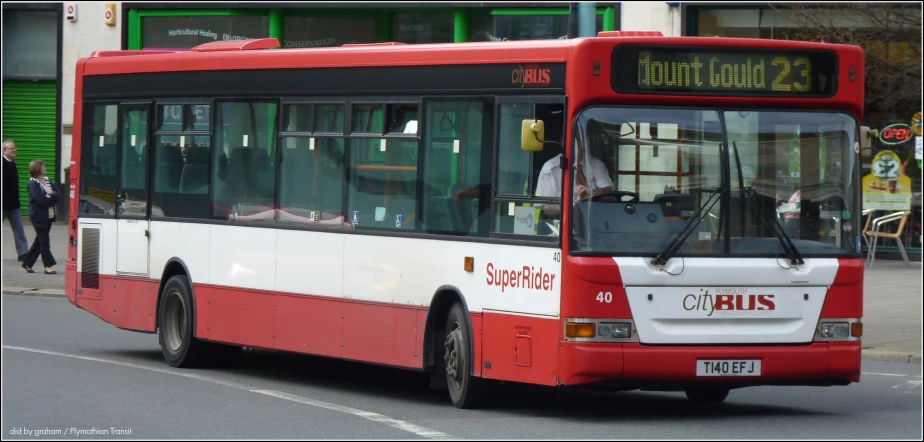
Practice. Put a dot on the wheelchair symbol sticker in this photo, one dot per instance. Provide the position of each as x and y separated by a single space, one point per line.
398 220
355 217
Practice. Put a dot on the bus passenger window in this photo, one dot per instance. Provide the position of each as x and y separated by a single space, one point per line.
181 161
181 182
383 183
243 168
311 181
457 172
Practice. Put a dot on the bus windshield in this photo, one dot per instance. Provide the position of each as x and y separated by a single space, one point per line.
746 183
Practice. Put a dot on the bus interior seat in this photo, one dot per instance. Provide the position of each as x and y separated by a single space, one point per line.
169 169
297 175
195 175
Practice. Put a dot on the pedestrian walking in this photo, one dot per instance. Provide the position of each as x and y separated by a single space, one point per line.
11 205
43 195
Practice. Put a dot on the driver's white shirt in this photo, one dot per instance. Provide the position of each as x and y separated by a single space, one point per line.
549 184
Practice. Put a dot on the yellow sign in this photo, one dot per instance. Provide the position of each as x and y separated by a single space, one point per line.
107 196
916 124
886 187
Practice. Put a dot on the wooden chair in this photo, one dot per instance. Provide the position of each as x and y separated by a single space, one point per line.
875 234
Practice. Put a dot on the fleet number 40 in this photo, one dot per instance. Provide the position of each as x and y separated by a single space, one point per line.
605 297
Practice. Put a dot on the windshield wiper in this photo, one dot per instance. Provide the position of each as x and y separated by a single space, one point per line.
688 229
791 251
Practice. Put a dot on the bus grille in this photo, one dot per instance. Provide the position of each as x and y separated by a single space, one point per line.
89 277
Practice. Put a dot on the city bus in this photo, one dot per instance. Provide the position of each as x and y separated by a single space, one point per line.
622 212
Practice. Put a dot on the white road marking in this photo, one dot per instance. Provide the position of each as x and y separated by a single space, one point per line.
908 385
368 415
885 374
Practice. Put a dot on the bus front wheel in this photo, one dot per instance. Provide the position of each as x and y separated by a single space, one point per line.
465 389
707 395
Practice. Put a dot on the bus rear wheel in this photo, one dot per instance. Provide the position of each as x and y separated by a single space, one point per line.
704 395
177 324
466 390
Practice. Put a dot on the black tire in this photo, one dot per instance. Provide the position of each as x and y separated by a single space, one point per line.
707 395
176 320
465 389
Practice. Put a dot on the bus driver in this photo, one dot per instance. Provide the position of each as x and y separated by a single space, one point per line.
590 174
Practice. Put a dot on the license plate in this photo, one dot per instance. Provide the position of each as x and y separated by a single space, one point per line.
728 368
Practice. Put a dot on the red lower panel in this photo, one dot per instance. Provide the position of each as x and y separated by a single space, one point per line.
477 340
391 335
309 325
377 333
238 316
845 360
582 363
129 303
510 338
70 281
588 362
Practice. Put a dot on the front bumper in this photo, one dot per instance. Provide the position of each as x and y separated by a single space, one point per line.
634 365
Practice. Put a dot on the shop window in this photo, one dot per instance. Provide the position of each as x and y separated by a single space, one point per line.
30 44
189 32
522 27
422 27
314 32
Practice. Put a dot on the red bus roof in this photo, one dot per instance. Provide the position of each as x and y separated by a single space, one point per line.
580 55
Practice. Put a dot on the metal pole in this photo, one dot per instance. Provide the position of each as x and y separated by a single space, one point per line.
587 23
572 20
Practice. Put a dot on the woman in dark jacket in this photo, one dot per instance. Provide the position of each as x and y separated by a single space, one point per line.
43 195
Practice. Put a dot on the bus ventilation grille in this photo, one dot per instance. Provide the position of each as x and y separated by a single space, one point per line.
89 277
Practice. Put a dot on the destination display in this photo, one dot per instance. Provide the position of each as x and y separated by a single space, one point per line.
711 71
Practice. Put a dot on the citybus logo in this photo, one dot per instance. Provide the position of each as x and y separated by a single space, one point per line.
729 301
531 76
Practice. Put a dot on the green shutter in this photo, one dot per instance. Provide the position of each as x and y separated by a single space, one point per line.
29 119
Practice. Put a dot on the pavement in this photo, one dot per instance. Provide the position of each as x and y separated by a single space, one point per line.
892 310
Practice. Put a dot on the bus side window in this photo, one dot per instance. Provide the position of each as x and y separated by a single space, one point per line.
521 187
246 192
456 180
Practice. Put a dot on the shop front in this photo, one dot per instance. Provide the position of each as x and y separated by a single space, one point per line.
893 100
307 25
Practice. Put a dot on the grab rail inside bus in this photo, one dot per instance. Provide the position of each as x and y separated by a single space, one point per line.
386 168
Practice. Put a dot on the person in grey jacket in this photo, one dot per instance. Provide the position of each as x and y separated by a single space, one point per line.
11 204
43 195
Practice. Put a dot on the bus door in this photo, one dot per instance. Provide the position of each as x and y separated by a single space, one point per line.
132 192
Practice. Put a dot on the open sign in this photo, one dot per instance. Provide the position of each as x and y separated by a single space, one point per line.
895 134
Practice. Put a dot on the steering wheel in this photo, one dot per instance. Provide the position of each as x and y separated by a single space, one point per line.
619 194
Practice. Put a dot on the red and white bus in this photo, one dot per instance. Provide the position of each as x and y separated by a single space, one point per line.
628 211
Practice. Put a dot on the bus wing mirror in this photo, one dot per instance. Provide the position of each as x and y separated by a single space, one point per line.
866 141
532 135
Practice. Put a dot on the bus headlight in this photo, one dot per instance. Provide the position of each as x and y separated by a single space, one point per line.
620 330
613 330
835 329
